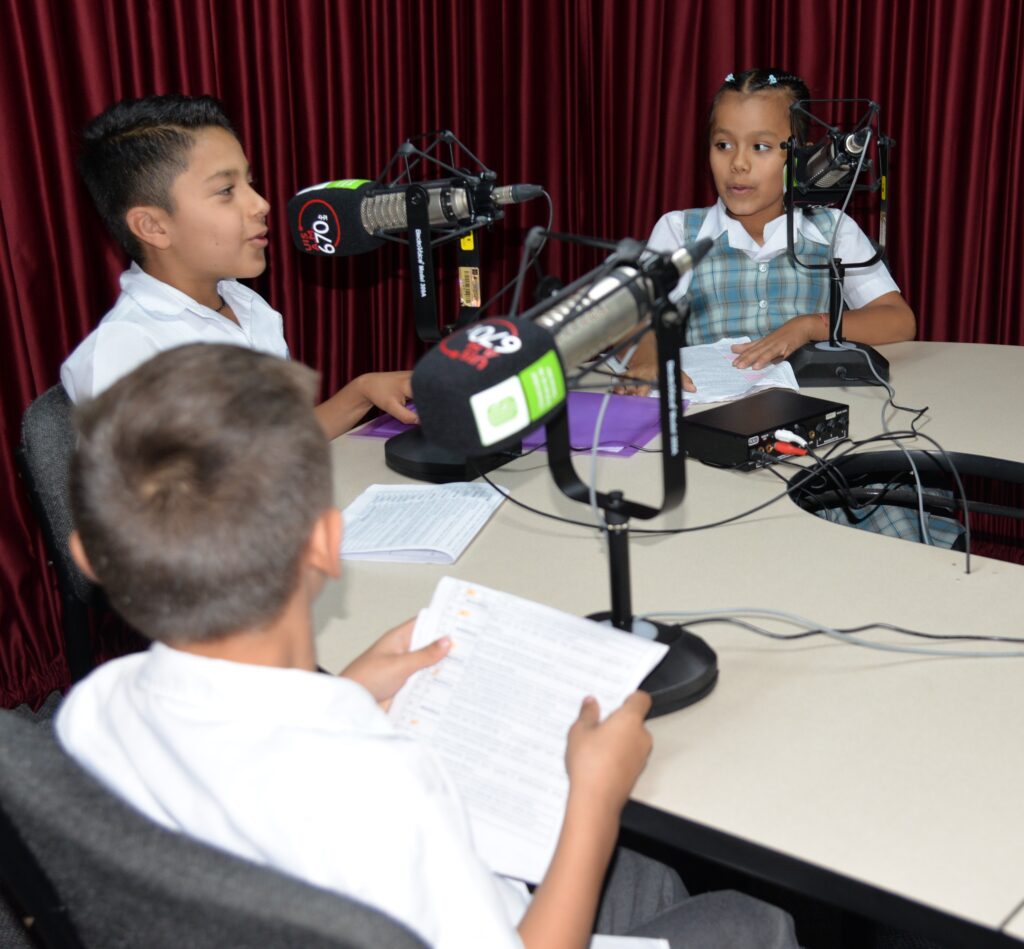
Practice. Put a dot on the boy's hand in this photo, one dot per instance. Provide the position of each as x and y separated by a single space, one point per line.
384 667
604 759
780 344
389 391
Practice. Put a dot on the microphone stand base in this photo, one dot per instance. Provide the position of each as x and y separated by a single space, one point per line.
686 674
410 454
823 364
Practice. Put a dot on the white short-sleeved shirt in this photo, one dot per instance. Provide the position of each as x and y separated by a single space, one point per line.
151 316
297 770
861 285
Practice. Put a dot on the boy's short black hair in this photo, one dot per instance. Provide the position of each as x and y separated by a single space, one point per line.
194 488
135 149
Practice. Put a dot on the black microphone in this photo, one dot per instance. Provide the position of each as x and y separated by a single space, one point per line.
340 218
481 389
833 161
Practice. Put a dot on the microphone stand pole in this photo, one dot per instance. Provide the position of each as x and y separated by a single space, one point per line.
410 453
689 669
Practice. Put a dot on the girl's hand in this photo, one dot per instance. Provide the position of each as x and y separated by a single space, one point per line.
639 373
778 345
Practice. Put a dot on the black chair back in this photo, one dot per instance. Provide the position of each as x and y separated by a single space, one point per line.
95 874
44 458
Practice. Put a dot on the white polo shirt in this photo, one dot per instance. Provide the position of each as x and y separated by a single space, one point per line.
861 285
151 316
296 770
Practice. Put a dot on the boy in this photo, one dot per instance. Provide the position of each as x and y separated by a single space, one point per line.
172 184
201 492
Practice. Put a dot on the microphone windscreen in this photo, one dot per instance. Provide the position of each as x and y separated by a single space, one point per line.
324 219
481 389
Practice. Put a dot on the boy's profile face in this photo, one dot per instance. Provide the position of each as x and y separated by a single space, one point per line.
218 228
747 161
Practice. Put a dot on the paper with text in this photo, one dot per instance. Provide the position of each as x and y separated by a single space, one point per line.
413 523
718 380
499 707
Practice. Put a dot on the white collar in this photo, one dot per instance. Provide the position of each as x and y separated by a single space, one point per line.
258 691
155 296
718 222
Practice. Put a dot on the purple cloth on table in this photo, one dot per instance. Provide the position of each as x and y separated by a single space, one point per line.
629 422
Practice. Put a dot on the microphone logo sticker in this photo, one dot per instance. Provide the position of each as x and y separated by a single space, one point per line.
483 343
319 230
502 412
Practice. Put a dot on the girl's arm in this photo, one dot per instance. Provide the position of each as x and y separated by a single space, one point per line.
886 319
643 369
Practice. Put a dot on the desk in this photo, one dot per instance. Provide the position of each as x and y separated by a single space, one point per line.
902 774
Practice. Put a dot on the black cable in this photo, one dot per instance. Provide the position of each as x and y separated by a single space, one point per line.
895 436
855 512
833 457
533 260
533 510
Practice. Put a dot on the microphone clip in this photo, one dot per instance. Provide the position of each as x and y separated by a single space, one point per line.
829 170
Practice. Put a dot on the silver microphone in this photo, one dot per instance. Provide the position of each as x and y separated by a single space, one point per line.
831 164
447 204
591 320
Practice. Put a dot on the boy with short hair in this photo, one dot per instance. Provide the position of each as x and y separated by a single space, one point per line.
171 182
201 493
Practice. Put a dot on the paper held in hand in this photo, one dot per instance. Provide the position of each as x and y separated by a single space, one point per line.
416 523
499 707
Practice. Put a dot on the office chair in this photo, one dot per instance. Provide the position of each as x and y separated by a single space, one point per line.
93 872
43 459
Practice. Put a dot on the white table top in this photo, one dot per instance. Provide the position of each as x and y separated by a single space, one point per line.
900 771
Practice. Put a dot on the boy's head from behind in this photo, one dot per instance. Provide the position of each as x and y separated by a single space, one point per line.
134 151
195 485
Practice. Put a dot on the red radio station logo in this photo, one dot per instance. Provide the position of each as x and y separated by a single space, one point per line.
318 227
482 343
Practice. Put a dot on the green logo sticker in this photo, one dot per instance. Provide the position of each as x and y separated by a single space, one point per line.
502 411
543 384
351 183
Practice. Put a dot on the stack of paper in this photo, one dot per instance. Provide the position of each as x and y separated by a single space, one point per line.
718 380
413 523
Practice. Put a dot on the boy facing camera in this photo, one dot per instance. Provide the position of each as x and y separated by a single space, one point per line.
201 494
170 180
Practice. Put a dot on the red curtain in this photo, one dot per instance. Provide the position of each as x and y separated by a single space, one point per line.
602 102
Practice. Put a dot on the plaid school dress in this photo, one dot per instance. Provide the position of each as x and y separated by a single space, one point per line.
732 295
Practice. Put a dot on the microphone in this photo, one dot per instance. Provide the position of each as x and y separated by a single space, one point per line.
345 217
833 161
481 389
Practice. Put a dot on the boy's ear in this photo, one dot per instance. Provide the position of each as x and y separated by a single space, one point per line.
149 224
79 556
324 548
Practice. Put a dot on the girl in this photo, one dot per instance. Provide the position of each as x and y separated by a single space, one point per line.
747 285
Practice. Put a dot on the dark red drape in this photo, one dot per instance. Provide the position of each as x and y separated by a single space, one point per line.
603 102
